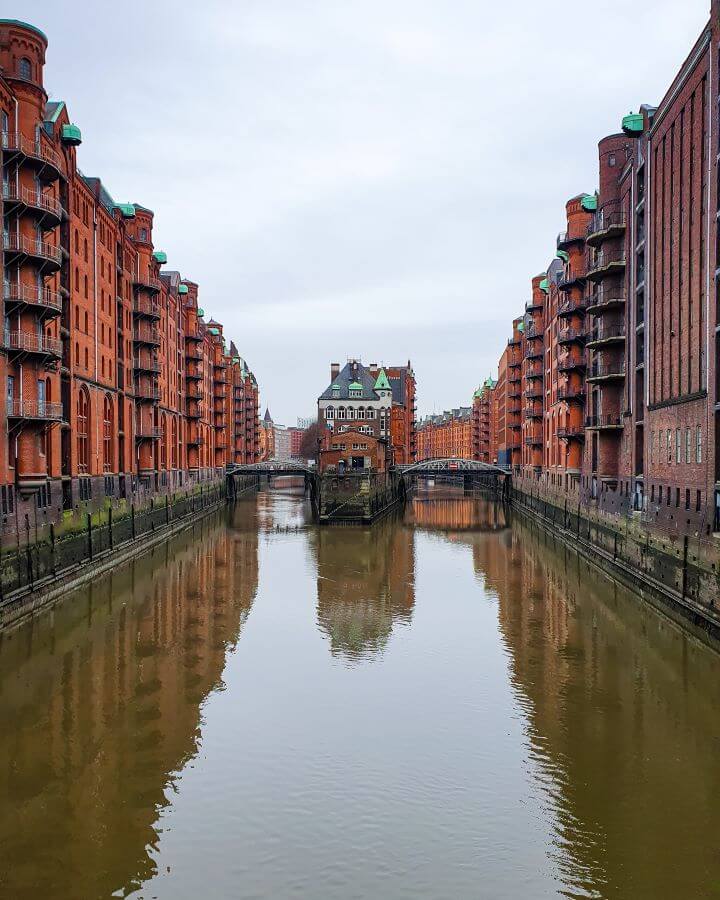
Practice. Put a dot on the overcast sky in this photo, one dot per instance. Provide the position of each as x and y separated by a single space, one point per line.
367 178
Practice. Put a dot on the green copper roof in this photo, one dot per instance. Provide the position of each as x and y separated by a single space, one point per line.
127 210
355 386
24 25
336 387
589 202
563 256
160 256
521 327
633 124
214 330
544 285
58 108
71 135
201 311
489 382
382 383
182 289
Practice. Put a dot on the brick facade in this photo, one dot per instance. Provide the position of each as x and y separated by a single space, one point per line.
115 387
620 339
446 436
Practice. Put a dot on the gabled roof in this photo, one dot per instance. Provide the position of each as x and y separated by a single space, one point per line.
352 373
382 383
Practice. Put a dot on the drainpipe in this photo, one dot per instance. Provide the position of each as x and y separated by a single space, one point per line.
95 336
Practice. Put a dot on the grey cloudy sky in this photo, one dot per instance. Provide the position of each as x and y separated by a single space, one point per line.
372 178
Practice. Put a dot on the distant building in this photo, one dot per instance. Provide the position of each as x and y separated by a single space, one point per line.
296 439
446 436
484 430
282 442
304 424
267 438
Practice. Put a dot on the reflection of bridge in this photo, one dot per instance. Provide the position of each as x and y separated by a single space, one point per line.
273 467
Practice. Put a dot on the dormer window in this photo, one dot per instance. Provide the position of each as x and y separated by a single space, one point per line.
25 68
356 393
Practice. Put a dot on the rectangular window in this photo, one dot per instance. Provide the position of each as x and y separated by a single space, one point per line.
698 500
688 445
698 445
687 498
652 446
678 447
669 445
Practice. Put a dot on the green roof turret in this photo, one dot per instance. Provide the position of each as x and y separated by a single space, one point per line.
71 135
589 202
633 124
160 256
382 383
127 210
182 289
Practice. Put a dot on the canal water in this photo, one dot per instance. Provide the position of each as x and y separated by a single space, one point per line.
447 705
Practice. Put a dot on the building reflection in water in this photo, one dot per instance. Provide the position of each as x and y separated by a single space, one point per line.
449 509
365 585
611 691
105 697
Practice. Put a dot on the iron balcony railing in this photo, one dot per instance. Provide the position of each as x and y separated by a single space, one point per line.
32 295
146 282
571 431
567 361
604 222
147 393
600 262
148 431
18 143
533 440
146 365
603 421
15 243
604 332
144 306
34 409
571 393
566 335
606 370
571 276
146 336
33 198
571 305
605 296
565 238
31 342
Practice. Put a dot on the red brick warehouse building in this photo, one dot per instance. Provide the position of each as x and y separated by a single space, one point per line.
622 332
114 384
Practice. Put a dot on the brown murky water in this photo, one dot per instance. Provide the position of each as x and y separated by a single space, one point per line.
445 706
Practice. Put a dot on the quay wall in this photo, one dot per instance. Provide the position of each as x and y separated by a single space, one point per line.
676 572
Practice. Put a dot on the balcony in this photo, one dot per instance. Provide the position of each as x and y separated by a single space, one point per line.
193 373
193 353
534 306
565 240
46 161
149 336
146 365
146 307
46 208
571 433
571 394
572 306
222 364
46 301
535 352
514 342
47 256
193 411
603 423
37 410
194 393
604 226
601 371
147 392
514 379
196 441
533 393
606 334
534 440
571 335
534 332
573 276
605 264
533 412
32 343
147 432
193 336
534 372
603 299
567 362
146 283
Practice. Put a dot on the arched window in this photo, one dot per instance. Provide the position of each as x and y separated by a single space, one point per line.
163 442
360 412
107 434
83 438
174 444
341 412
369 413
330 412
25 68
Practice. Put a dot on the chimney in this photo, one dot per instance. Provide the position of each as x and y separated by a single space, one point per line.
334 371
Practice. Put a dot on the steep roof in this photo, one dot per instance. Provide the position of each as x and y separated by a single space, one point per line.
354 372
382 383
267 417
